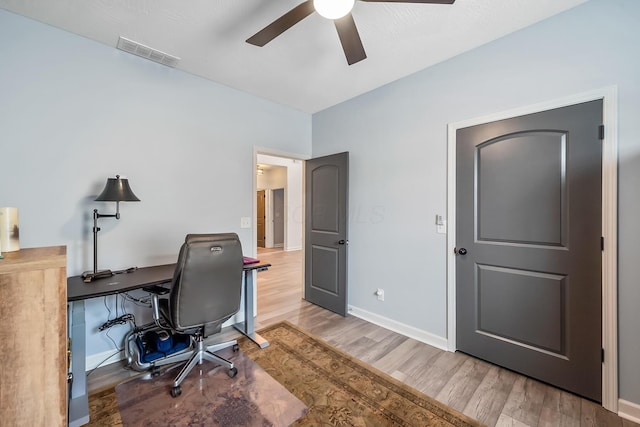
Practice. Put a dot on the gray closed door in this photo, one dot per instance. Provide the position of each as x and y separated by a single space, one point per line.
528 231
278 217
326 214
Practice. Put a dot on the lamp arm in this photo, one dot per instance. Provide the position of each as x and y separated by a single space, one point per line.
97 215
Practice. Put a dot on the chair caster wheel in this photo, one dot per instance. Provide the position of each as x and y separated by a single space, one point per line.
155 371
233 372
236 347
176 391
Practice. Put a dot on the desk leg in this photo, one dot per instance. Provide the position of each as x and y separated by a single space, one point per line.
78 399
247 327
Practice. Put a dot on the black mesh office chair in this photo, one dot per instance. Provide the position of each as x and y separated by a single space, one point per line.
206 291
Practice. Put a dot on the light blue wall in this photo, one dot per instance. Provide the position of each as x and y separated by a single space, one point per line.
74 112
396 137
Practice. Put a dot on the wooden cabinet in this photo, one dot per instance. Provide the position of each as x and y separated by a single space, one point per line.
33 337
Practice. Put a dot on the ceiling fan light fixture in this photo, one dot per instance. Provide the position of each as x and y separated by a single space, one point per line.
333 9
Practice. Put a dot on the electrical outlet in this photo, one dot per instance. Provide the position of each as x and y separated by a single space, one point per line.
245 222
380 294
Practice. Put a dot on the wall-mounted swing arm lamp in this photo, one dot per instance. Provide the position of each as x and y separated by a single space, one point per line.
117 190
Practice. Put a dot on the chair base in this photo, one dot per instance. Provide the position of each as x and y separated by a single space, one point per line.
202 353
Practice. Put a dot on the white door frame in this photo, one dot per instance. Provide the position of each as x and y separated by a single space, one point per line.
275 153
254 239
609 96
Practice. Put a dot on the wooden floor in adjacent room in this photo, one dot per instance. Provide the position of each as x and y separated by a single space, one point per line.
490 394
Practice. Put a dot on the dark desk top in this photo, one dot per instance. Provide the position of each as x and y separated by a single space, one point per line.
142 277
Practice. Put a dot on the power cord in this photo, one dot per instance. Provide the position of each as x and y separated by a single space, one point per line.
140 302
117 321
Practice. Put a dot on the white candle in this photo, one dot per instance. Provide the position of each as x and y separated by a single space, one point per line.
9 230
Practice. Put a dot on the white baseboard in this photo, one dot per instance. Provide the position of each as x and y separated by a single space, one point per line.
98 359
401 328
293 248
629 410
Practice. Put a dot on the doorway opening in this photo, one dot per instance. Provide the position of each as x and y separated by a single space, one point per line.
273 193
280 176
279 202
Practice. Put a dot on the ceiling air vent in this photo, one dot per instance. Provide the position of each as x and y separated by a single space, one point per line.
147 52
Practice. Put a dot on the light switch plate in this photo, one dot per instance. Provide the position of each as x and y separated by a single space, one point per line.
442 228
245 222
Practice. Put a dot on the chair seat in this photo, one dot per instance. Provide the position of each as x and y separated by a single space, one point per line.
206 329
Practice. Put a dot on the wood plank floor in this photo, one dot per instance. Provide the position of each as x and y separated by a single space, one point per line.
490 394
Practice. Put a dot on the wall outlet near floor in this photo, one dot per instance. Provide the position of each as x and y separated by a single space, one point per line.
380 294
245 222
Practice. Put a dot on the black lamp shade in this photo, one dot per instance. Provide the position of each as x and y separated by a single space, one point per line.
117 190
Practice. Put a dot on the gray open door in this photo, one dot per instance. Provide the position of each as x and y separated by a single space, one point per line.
528 231
326 222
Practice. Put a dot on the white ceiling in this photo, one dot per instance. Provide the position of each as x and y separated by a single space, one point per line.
305 67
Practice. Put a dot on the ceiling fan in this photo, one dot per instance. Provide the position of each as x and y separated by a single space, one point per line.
337 10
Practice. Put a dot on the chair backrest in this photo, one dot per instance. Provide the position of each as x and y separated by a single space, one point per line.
207 282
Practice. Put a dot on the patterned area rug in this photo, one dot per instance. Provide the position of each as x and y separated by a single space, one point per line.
338 389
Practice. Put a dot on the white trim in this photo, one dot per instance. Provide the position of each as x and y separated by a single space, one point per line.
451 236
94 360
629 410
610 253
401 328
275 153
609 225
254 239
269 152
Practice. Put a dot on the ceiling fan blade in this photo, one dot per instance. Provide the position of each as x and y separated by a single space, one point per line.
412 1
282 24
350 39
